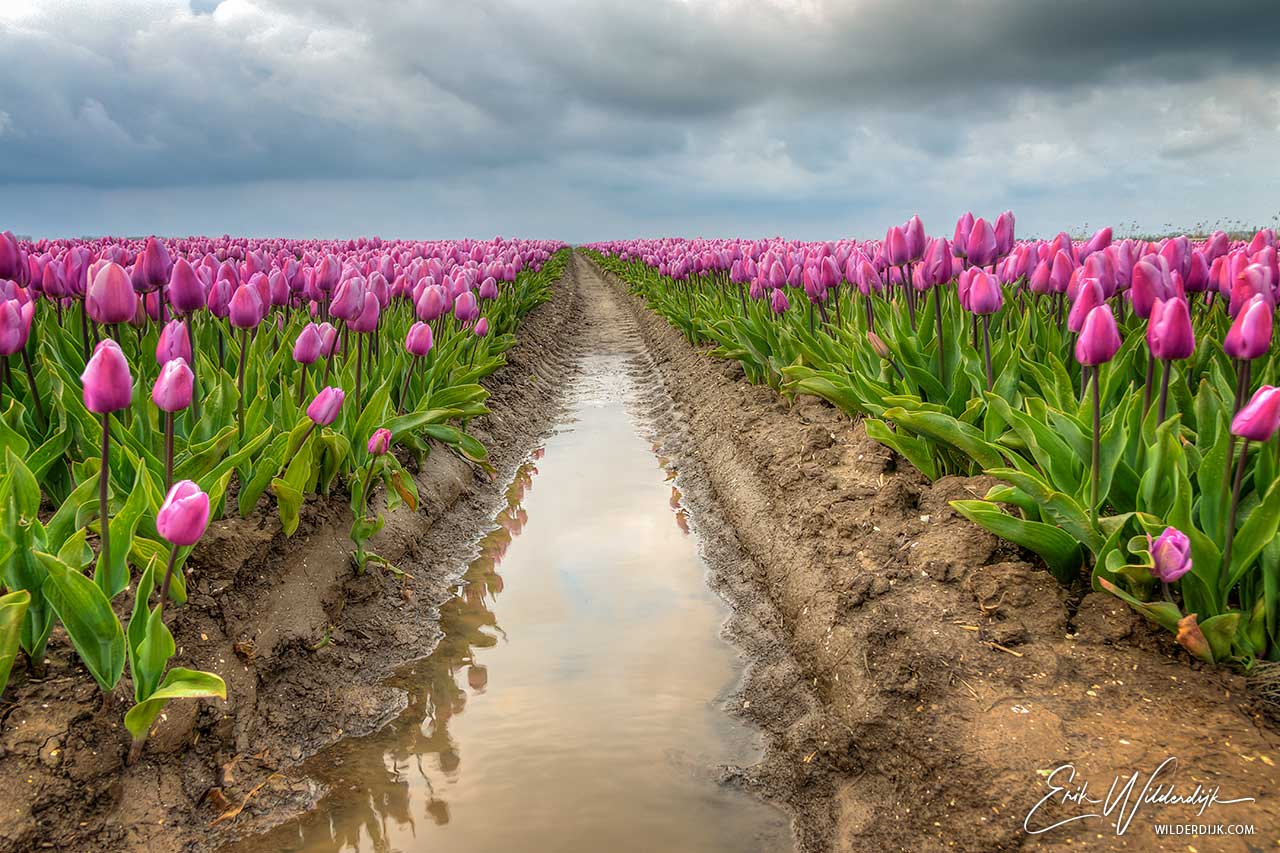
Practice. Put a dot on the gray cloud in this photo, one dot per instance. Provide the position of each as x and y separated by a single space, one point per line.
813 116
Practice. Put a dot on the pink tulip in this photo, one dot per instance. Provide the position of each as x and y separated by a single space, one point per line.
246 309
984 293
174 342
1170 554
778 301
1259 419
110 298
367 320
380 441
482 327
324 409
1169 333
174 386
15 325
11 260
1250 334
1099 338
418 342
108 385
982 249
307 348
184 515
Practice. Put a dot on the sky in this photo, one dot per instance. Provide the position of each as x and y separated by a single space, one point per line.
585 120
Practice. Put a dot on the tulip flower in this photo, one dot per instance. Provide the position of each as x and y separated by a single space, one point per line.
982 250
418 343
186 292
1170 555
778 301
182 520
380 441
1004 229
174 342
465 308
15 330
108 387
1258 420
306 350
960 239
482 327
172 393
110 299
1098 342
1248 338
984 297
11 260
1169 337
324 409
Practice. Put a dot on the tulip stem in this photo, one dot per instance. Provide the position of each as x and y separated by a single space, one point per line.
359 365
168 577
1097 445
104 511
302 384
1164 392
404 389
35 393
1225 572
84 330
986 349
938 336
1147 385
168 451
244 351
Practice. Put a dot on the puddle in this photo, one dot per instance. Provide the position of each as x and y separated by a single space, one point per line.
575 700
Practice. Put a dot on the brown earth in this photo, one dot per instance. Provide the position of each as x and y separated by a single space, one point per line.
915 679
302 643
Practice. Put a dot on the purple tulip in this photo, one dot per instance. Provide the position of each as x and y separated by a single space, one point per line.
380 441
328 340
1250 334
324 409
960 240
1004 233
489 289
915 236
174 342
465 307
984 293
1169 333
1087 298
110 298
11 260
348 299
186 292
419 340
184 515
307 348
108 385
982 249
482 327
219 299
1099 338
1259 419
778 301
15 325
246 309
896 249
1170 555
367 320
174 386
155 265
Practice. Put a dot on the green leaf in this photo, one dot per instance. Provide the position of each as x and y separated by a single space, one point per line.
86 614
179 683
13 608
289 504
1060 551
914 450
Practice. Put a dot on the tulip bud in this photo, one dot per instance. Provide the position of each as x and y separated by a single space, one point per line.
960 240
418 342
982 249
1099 338
778 301
1004 233
328 339
489 289
108 385
15 325
1250 334
896 250
380 441
11 261
174 385
878 344
367 320
482 327
174 342
306 349
110 298
323 410
1170 555
915 236
155 264
1169 333
1259 419
246 308
465 307
184 515
985 295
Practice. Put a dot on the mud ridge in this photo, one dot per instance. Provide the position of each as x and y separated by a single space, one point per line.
916 678
302 643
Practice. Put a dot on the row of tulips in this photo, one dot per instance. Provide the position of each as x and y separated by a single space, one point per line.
147 387
1121 391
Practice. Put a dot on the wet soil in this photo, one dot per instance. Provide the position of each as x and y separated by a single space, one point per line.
916 681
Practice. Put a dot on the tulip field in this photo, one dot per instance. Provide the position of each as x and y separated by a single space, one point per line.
148 387
1120 393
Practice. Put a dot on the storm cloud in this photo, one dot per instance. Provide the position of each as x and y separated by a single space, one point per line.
587 119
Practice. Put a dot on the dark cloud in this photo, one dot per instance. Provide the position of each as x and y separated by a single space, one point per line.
758 112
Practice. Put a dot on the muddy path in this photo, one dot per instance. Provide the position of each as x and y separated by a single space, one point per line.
919 680
915 680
